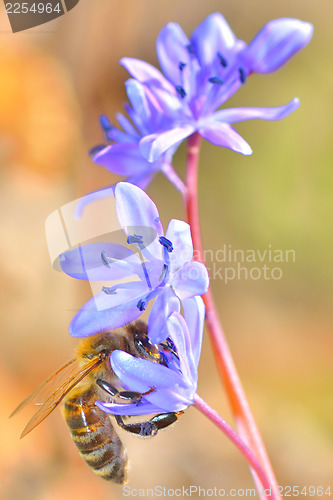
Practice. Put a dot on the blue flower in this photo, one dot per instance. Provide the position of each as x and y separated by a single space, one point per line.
160 268
175 384
123 155
200 74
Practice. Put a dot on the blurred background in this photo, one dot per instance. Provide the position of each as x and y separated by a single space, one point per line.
55 81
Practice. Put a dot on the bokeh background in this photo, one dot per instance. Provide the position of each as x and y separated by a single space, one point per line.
55 81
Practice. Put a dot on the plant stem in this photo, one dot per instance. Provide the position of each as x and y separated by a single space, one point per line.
244 419
202 406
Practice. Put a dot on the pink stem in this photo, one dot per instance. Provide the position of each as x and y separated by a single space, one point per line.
202 406
244 419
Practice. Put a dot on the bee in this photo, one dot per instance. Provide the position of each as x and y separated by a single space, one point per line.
88 377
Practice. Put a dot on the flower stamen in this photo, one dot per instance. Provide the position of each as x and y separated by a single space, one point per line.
142 304
242 75
223 61
181 91
164 274
106 126
166 243
190 49
105 259
216 79
135 238
109 290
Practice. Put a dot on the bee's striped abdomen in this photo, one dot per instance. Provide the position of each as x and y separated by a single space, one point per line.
95 437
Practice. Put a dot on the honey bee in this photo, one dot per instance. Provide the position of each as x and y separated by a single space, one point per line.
89 377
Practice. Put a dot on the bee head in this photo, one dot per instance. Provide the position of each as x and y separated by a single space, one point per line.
97 345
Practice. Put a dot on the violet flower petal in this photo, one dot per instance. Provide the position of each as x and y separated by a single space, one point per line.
179 233
276 43
178 332
146 73
222 134
144 408
171 48
123 159
190 280
233 115
138 99
211 37
172 392
129 129
154 145
90 319
165 303
85 262
194 313
136 211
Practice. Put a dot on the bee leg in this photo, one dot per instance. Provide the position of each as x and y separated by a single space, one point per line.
152 426
128 396
112 391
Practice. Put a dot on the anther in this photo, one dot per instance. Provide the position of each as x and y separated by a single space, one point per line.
105 123
216 79
141 305
181 66
190 49
242 75
135 238
166 243
222 59
96 149
181 91
108 290
105 259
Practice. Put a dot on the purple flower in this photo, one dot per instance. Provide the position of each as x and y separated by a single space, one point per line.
123 155
174 384
202 72
160 268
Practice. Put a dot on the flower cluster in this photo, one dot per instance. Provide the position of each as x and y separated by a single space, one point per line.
199 75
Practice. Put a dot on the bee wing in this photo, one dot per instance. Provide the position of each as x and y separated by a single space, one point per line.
43 391
51 392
